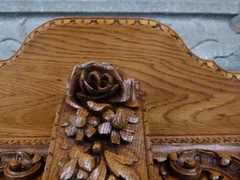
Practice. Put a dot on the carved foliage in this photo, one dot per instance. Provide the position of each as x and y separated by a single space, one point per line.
20 164
199 165
101 125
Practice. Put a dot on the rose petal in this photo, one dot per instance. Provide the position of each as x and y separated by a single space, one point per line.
89 89
83 73
113 90
72 102
126 92
107 89
108 67
93 76
98 106
133 101
72 83
80 95
107 77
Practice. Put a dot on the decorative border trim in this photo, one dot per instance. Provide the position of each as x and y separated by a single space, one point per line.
24 141
123 21
195 139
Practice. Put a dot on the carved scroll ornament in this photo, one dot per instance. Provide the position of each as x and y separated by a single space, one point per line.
198 164
20 165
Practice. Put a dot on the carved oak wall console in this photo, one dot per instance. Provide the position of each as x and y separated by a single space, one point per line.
116 98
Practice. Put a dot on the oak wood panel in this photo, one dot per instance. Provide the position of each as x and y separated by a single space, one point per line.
185 95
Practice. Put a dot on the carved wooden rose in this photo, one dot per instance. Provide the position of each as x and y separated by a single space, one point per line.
95 89
99 81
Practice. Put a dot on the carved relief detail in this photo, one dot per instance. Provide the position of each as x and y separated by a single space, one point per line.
20 164
198 164
196 139
101 124
24 141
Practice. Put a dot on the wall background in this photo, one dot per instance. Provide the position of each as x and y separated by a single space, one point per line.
206 26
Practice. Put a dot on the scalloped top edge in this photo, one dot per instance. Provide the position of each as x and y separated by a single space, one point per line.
123 21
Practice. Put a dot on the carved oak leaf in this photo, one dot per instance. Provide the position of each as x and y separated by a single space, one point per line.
82 174
75 151
99 173
120 166
68 169
86 162
127 152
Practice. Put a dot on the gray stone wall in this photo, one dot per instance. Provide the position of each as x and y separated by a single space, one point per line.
203 25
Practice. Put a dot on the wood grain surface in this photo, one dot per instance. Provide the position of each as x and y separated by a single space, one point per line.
184 95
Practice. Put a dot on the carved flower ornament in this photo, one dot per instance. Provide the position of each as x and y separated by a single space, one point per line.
99 81
103 114
89 86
